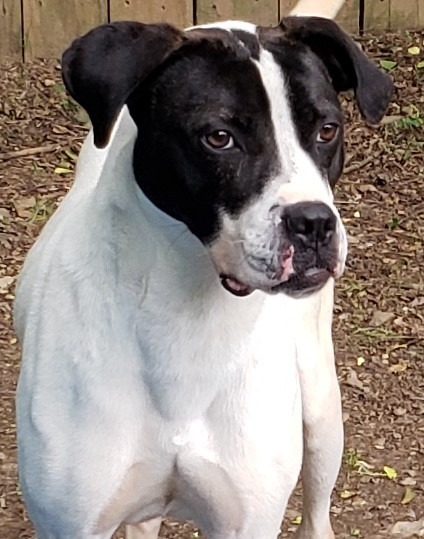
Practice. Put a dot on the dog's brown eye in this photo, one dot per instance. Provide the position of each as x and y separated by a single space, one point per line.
327 133
219 140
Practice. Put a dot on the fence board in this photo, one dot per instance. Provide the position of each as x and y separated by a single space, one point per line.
264 12
50 25
10 29
178 12
377 14
286 6
348 18
404 14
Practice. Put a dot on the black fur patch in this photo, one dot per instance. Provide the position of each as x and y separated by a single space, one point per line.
208 85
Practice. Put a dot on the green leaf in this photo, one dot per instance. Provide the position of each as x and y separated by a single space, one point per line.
73 156
408 496
388 65
391 473
297 520
414 50
346 494
420 65
60 170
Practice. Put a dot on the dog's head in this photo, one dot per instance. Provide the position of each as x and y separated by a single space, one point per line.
240 135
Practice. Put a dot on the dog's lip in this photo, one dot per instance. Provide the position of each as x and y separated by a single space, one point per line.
311 279
317 273
233 285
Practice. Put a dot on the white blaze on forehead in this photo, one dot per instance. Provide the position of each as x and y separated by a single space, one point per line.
295 165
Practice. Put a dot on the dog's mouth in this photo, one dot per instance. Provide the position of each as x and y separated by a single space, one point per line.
235 286
307 282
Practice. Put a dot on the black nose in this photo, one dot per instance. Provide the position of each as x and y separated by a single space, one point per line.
313 223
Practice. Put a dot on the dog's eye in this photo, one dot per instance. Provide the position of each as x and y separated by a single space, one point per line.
219 140
327 133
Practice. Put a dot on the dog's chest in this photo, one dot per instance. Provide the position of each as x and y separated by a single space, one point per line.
211 430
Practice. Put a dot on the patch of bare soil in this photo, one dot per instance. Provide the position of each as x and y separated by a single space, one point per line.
379 313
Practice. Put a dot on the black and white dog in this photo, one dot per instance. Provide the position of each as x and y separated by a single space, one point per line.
175 313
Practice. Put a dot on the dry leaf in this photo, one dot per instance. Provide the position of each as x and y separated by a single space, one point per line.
398 367
407 530
24 206
5 282
353 380
380 317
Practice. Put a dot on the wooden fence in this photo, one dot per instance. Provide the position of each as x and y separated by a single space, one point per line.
43 28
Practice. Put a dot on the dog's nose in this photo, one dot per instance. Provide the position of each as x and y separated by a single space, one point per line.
311 223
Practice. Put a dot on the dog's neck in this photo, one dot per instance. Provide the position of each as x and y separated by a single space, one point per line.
151 242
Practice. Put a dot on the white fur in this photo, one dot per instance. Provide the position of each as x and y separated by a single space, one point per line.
298 180
140 371
131 344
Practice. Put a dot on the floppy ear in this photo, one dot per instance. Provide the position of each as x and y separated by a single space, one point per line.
103 67
347 65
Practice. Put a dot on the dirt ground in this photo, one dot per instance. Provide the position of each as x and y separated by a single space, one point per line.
379 312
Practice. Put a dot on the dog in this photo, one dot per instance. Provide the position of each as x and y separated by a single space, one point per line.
175 313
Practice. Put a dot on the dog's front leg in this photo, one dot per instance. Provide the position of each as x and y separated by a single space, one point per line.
322 415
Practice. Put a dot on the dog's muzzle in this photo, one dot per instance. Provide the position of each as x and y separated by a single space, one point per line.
306 256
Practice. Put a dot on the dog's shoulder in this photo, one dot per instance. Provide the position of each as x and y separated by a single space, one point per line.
78 243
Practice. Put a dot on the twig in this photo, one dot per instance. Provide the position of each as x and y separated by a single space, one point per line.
357 166
29 151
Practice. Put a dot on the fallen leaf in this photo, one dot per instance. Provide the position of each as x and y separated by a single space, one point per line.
414 50
388 65
5 282
23 206
4 214
398 367
380 317
61 170
417 302
297 519
407 530
408 482
353 380
360 361
391 118
408 496
346 494
391 473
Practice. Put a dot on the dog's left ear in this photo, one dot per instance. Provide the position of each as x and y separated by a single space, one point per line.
347 65
102 68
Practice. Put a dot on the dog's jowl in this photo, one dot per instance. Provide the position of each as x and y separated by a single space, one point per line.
175 313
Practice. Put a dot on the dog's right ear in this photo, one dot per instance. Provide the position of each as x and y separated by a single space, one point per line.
102 68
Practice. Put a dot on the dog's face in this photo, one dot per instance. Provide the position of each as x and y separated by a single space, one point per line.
240 136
